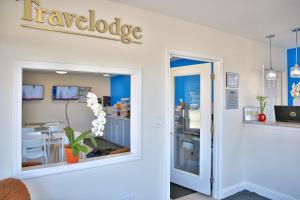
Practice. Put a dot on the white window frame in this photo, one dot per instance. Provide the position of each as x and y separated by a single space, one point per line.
135 122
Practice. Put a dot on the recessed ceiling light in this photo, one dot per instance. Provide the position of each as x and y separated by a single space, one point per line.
106 75
61 72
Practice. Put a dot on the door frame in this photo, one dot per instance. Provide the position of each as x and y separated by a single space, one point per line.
218 108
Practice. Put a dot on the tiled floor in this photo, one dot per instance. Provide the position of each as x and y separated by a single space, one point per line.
195 196
244 195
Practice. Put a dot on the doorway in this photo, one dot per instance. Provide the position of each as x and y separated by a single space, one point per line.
194 163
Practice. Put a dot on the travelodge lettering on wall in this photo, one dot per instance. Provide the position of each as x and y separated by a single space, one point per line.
89 25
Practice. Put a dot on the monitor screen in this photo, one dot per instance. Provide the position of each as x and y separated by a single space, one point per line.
32 92
65 93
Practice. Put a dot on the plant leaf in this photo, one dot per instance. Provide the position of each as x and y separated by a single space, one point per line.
93 141
83 148
81 137
75 150
70 134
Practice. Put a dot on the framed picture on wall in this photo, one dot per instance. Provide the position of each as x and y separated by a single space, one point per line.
232 80
83 91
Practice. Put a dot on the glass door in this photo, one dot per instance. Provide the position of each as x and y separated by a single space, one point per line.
191 121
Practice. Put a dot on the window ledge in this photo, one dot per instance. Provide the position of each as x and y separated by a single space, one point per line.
44 170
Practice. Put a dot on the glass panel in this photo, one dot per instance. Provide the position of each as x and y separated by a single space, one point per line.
187 123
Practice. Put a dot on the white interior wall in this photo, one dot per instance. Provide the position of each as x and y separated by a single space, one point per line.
273 160
48 110
240 55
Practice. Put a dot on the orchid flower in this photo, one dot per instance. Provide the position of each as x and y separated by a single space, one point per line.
100 121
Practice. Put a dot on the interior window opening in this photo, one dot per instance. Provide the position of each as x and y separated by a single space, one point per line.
89 112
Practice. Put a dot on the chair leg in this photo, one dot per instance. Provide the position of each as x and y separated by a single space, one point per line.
49 144
62 150
46 159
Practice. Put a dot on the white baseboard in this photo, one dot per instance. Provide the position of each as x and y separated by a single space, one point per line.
229 191
268 193
271 194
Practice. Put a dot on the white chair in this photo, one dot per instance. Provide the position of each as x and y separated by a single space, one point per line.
55 129
34 146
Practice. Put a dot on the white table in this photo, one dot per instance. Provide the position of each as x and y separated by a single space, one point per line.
34 137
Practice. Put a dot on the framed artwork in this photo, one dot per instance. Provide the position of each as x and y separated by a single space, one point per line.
83 91
232 80
251 113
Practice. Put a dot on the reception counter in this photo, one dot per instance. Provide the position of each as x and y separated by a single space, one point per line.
273 124
272 156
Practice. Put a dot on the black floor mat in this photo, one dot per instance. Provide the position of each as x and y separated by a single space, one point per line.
246 195
178 191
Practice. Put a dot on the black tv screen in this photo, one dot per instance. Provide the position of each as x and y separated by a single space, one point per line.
65 93
32 92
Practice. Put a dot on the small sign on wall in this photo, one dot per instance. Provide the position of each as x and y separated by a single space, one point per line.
232 80
232 99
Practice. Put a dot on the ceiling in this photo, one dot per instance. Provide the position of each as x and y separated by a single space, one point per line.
253 19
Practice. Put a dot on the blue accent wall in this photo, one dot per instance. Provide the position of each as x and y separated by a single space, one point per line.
185 62
184 86
183 83
119 88
291 60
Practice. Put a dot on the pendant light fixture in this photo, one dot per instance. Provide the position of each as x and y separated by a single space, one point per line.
271 75
295 70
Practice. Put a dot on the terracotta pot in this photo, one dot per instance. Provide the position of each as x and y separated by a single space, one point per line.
262 117
69 155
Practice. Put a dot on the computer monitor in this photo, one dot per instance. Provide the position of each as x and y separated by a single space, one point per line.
287 114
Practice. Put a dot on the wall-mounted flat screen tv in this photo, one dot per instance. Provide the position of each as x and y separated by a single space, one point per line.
32 92
65 93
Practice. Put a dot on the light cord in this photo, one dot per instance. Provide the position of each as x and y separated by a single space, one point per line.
271 53
297 46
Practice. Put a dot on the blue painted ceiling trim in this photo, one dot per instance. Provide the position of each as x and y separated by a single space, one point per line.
184 62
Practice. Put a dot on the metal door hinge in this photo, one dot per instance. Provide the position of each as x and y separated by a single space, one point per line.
211 180
212 77
212 129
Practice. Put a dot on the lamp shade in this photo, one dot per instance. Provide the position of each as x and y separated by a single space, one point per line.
295 71
271 75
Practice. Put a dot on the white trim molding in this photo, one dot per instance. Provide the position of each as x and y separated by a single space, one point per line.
231 190
260 190
135 122
218 117
268 193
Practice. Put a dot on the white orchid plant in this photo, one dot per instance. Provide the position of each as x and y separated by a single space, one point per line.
97 129
295 92
100 121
